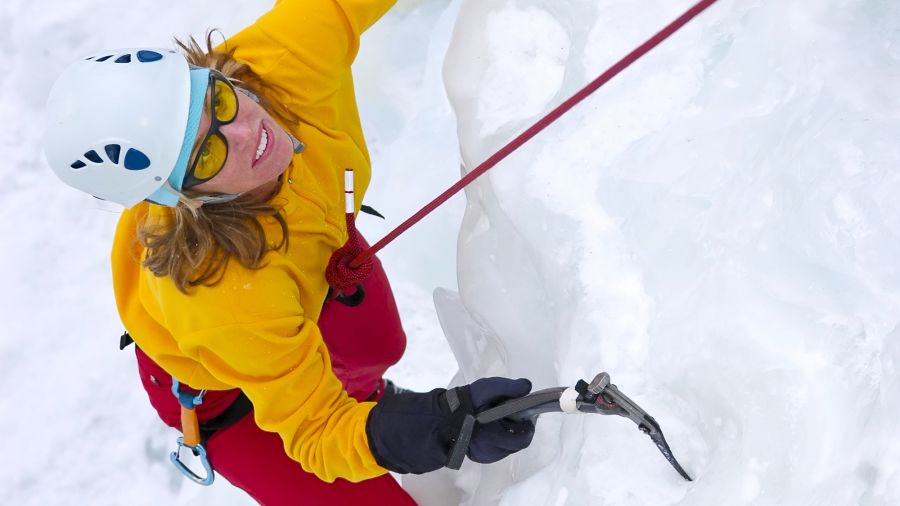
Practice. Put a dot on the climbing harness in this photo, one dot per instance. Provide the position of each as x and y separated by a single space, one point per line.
195 434
599 396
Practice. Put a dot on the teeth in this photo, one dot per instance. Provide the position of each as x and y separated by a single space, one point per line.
263 142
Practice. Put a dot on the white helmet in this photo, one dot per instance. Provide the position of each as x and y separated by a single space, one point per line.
121 124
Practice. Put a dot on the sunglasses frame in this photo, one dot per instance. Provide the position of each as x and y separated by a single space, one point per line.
190 179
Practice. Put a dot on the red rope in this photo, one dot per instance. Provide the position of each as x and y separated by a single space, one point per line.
537 127
341 275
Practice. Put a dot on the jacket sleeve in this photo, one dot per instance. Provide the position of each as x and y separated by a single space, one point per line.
250 331
305 47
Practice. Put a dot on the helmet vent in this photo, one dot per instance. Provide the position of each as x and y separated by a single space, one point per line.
136 160
143 56
93 156
112 151
148 56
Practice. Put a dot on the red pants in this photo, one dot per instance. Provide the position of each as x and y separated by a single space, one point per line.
363 342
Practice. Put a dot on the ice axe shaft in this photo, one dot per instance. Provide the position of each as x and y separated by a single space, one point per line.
598 397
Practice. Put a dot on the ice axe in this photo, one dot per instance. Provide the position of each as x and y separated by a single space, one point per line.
598 397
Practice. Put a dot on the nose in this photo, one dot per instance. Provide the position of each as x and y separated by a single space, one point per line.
241 132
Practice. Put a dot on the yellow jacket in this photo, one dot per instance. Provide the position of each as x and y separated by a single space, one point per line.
256 329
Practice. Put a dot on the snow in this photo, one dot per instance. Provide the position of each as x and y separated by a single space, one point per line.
717 228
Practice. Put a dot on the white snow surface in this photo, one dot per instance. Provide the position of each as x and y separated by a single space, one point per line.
717 228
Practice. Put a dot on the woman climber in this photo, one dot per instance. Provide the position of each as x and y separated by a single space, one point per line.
230 161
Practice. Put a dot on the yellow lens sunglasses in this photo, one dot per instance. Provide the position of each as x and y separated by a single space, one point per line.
213 150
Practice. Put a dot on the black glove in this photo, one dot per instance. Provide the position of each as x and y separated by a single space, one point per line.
415 432
498 439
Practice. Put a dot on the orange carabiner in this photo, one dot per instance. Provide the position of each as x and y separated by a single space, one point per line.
191 438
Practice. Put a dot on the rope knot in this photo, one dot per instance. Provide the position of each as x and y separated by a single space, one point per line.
340 274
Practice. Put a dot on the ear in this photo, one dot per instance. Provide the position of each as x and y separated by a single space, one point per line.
249 93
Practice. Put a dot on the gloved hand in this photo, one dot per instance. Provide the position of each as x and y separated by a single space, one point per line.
415 432
493 441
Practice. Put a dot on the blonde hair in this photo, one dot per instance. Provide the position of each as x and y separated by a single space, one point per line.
193 245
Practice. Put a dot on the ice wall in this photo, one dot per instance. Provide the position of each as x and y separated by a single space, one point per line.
717 228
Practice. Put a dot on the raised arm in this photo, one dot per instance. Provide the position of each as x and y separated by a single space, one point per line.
305 47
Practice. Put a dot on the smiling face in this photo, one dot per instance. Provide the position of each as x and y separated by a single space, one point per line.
259 150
